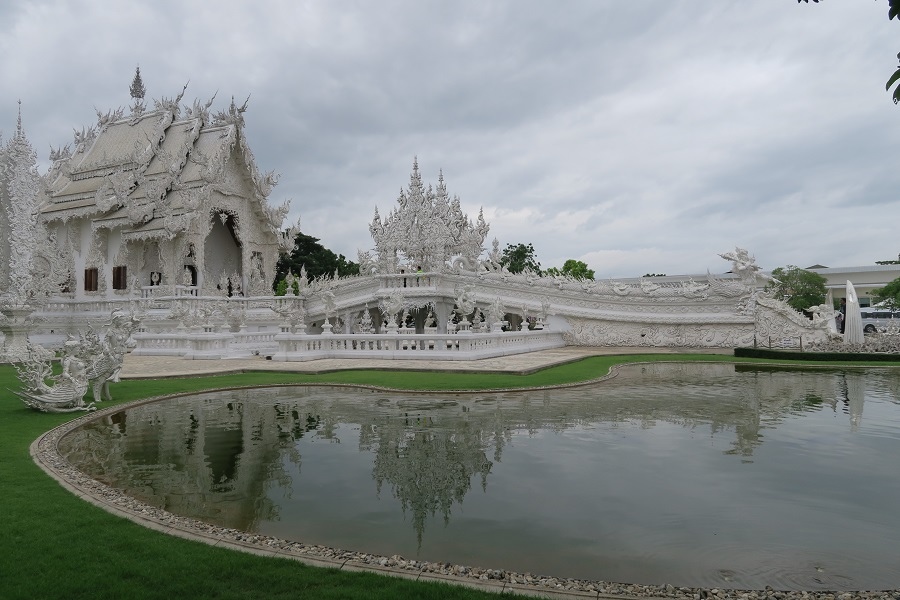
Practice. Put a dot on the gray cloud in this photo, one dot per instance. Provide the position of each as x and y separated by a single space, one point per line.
640 137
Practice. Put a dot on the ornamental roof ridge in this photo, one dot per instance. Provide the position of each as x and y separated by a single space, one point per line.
145 159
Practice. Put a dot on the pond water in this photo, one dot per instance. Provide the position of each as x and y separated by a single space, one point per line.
691 474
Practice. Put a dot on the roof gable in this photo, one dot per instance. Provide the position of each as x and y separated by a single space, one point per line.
143 170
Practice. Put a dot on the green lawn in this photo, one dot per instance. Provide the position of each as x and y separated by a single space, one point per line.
53 545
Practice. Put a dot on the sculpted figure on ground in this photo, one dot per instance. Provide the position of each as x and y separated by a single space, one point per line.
65 392
821 313
103 359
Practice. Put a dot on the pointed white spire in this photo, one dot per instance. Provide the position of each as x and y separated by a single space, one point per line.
19 131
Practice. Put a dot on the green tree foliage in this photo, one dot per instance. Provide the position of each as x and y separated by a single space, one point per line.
889 295
894 11
798 287
572 268
317 259
518 257
281 287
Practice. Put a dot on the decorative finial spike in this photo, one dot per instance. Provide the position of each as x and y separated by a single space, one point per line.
19 132
137 88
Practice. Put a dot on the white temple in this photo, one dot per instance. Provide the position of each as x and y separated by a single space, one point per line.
163 212
162 198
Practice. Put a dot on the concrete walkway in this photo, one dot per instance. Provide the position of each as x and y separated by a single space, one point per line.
146 367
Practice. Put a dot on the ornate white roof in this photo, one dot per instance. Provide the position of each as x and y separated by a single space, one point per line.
426 230
144 170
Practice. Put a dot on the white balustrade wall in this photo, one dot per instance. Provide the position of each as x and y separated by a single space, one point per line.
715 312
423 346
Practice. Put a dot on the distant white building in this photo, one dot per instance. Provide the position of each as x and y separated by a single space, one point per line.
864 279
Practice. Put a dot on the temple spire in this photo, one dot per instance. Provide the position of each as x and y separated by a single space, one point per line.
137 88
19 132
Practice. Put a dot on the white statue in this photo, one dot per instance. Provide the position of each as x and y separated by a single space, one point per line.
476 321
744 266
465 300
103 359
821 313
365 321
289 281
328 300
495 313
391 307
67 390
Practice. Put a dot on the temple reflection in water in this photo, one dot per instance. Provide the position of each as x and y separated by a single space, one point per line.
216 456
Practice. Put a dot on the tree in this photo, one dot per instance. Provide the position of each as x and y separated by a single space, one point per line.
893 11
572 268
516 258
798 287
889 295
317 259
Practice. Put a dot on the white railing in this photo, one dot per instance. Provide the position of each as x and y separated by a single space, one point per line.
291 347
301 347
409 280
160 344
192 345
255 343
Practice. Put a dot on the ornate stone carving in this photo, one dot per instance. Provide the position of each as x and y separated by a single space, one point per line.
391 307
365 321
427 230
199 111
744 266
104 357
292 312
65 392
465 300
88 361
19 201
495 313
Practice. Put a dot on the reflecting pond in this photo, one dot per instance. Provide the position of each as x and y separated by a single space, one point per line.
690 474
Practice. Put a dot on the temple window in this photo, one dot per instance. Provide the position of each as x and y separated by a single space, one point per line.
120 278
90 280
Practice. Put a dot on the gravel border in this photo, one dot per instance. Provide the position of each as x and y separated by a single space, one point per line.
44 451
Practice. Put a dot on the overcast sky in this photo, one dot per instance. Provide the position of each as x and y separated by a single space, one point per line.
639 137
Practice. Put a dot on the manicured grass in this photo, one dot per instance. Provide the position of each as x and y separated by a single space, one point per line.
53 545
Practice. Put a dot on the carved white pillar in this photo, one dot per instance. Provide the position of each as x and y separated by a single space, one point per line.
442 313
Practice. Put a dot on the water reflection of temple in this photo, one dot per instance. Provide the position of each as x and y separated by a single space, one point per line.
212 460
215 456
